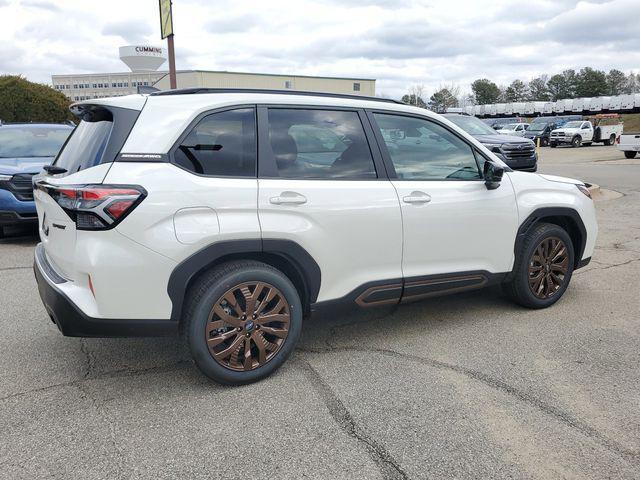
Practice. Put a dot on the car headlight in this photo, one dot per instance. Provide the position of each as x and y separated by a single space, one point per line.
5 178
494 147
584 189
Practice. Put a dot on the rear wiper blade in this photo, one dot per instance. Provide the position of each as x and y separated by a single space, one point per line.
53 170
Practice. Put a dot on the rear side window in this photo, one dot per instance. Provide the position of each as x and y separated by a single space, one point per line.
85 146
319 144
221 144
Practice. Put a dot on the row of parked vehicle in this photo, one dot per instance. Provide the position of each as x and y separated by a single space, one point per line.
614 104
575 130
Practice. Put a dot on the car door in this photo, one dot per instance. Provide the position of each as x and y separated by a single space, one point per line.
322 186
453 226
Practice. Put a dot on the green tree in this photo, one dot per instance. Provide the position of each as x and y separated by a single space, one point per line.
516 92
415 96
538 90
562 85
485 91
616 82
413 99
632 84
591 83
442 99
25 101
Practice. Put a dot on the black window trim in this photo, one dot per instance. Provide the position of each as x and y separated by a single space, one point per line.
388 163
267 166
196 121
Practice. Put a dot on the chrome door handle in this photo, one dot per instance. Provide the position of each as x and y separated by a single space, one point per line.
417 197
288 198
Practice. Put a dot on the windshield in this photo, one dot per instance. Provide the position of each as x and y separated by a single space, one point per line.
537 127
573 124
509 126
32 141
471 125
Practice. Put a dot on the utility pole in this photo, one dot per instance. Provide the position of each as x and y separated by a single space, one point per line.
172 63
166 31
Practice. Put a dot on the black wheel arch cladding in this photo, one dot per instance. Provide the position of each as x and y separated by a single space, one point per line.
565 217
286 255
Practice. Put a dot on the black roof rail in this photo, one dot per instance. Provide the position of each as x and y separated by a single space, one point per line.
193 91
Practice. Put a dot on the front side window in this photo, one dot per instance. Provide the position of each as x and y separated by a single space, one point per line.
221 144
356 87
423 150
320 144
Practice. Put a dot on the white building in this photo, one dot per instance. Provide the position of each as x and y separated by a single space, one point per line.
143 60
269 81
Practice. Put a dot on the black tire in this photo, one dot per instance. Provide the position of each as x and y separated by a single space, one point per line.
611 140
553 144
518 287
544 142
576 141
209 290
630 154
2 229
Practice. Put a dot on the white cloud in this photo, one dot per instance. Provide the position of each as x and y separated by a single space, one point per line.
399 42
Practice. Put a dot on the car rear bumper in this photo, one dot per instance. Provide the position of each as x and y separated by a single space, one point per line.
72 322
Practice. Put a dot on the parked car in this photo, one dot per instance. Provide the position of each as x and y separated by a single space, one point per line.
513 129
24 149
159 219
518 153
540 131
629 143
497 123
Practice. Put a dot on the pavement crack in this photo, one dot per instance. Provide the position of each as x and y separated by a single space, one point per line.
557 413
120 373
3 269
389 468
91 359
608 266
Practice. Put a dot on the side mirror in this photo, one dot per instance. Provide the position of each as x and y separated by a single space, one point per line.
492 175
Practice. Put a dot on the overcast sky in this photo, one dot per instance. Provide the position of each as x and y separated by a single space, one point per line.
398 42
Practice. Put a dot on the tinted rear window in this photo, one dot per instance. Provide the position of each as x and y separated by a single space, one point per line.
85 147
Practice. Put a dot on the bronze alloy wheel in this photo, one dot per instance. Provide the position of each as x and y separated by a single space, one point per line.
548 267
247 326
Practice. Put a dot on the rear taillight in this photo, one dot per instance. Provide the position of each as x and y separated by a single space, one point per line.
95 207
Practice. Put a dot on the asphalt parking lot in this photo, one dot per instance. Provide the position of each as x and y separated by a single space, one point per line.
467 386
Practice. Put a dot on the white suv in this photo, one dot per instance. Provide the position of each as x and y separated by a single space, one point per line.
228 216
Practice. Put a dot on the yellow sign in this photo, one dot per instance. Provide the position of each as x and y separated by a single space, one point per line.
166 20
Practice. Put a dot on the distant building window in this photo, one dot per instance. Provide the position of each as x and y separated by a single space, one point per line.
75 98
288 84
133 84
86 85
75 85
356 87
95 85
126 84
146 83
67 87
114 84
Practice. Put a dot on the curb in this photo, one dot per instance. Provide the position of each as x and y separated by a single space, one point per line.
593 188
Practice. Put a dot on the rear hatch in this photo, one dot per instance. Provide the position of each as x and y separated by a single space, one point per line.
84 160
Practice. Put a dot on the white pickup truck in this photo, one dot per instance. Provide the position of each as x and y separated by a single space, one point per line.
630 144
604 129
